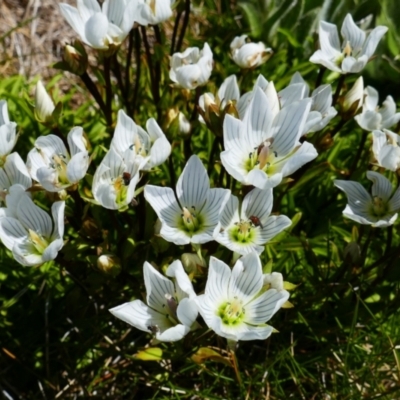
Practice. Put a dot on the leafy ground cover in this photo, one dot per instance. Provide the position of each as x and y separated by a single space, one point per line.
339 340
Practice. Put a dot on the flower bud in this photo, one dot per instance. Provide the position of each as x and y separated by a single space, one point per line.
184 124
353 100
274 280
192 263
76 58
109 264
249 55
44 105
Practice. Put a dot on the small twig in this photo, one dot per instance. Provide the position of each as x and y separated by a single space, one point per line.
320 76
175 31
128 63
138 71
117 72
338 89
87 80
184 26
109 94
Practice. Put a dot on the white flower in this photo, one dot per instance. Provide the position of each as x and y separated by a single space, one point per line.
153 11
353 99
386 149
191 68
234 305
150 148
379 208
227 93
13 172
264 148
356 48
274 280
171 309
44 105
8 132
100 27
248 55
321 111
195 217
115 180
53 167
254 227
28 231
374 117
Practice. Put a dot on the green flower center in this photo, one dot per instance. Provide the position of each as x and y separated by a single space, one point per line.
231 312
190 221
379 207
38 241
120 185
59 163
140 149
242 232
262 157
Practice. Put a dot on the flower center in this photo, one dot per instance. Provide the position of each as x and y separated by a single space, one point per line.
38 241
231 312
139 148
379 207
59 164
242 232
192 222
120 187
2 161
262 157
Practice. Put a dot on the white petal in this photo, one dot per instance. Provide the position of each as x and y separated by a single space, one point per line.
139 315
8 138
229 90
96 29
246 280
159 152
358 198
164 204
17 171
4 119
369 120
352 34
73 17
304 154
77 166
11 232
288 126
329 40
173 334
51 251
372 40
271 227
157 286
184 287
76 141
217 284
381 186
33 217
257 120
187 311
265 306
193 185
230 213
257 203
57 211
124 134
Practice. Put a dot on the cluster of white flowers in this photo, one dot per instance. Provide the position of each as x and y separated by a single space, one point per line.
236 303
264 142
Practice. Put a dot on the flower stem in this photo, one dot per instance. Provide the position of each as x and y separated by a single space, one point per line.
107 78
175 31
90 85
320 76
184 26
338 89
138 71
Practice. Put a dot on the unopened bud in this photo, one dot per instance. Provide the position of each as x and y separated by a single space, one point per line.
184 124
44 105
109 264
274 280
76 58
192 263
353 99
